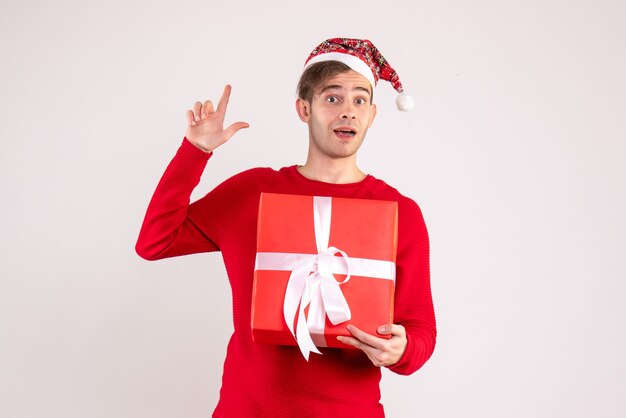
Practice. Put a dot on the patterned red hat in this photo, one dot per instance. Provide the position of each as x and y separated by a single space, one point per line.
364 58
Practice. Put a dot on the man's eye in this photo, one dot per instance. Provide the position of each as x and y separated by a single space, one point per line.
361 101
332 99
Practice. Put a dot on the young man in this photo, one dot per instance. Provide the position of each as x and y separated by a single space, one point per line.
335 100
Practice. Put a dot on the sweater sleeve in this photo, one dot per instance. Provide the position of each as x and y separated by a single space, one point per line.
413 302
167 230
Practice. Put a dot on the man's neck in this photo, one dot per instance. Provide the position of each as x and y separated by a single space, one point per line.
340 171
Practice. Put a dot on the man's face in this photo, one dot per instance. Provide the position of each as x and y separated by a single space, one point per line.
338 115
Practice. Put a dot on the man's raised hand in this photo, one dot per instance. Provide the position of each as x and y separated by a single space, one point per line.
205 126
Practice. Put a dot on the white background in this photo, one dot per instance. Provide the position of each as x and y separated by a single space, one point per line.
515 152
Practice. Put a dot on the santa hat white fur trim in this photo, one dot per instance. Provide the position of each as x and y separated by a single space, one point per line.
356 64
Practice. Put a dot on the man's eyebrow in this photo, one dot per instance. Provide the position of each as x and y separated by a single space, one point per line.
337 86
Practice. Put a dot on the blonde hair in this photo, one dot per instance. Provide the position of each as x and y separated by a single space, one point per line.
317 74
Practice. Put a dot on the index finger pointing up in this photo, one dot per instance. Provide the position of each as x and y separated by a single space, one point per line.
221 106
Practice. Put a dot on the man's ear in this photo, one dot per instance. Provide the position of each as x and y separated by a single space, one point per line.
304 110
373 115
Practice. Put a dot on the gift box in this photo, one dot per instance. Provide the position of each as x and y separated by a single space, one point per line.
322 263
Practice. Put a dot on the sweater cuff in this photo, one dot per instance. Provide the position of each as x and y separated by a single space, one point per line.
190 160
405 366
193 150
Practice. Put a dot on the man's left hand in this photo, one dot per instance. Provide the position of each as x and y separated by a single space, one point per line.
382 352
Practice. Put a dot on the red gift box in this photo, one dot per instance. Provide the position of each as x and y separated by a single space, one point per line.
322 263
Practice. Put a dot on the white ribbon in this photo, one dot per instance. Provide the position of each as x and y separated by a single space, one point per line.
312 282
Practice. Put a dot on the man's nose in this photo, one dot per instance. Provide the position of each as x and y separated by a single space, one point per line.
348 112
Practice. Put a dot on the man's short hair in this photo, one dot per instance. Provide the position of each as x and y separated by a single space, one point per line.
315 75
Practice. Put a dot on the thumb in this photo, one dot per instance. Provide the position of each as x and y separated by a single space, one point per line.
384 329
232 129
393 329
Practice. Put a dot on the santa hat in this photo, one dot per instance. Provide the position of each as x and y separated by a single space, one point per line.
364 58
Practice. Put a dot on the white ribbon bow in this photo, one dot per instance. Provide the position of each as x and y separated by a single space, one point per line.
313 284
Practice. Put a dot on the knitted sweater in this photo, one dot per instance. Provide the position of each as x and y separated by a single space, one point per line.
275 381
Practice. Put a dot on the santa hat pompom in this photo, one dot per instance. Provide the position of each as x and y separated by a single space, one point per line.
404 102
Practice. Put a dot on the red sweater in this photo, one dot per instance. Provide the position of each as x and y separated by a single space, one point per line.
275 381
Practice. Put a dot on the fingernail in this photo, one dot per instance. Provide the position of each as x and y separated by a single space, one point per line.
381 330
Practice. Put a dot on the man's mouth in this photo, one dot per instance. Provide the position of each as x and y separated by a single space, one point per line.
345 132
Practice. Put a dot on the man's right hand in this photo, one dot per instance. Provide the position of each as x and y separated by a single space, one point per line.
205 126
